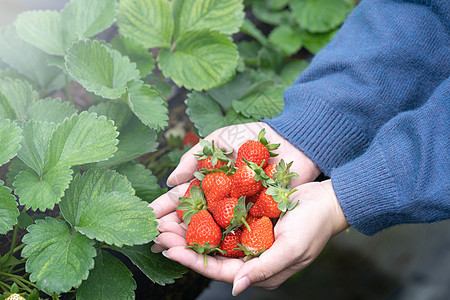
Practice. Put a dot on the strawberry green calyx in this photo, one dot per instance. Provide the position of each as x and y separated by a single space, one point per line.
240 213
205 249
192 205
249 253
216 154
227 169
260 175
281 196
282 177
263 140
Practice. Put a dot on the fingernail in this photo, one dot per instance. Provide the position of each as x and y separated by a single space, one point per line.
152 249
165 254
156 241
240 286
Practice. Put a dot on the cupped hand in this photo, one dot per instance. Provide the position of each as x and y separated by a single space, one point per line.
299 238
230 138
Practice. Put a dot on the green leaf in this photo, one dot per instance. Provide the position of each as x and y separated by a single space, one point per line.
135 139
147 105
118 111
264 100
291 70
99 69
16 97
8 210
118 219
82 139
320 15
250 29
286 38
158 269
315 42
58 258
101 204
201 60
29 61
15 167
205 113
42 29
53 32
136 53
42 192
232 90
270 12
143 181
148 22
10 138
86 18
51 110
110 279
24 220
92 184
35 144
225 16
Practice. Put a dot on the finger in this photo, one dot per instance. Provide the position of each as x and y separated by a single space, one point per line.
173 227
168 202
170 239
171 217
272 262
220 269
157 248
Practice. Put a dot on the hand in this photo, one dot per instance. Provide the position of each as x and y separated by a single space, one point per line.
299 238
230 138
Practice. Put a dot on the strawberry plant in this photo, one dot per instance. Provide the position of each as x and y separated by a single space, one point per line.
77 174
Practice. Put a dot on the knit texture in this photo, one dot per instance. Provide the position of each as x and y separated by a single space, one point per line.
372 112
404 175
387 58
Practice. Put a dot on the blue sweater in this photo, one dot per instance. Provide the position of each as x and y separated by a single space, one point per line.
372 111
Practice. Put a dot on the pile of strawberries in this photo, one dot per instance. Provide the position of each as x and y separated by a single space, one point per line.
231 207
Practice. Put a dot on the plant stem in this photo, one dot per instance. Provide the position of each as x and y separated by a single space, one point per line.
68 95
24 286
13 244
4 287
18 248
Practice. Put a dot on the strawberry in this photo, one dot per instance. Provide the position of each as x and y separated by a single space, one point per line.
252 199
270 170
190 139
210 157
230 213
203 234
259 238
273 202
230 243
192 202
256 151
282 175
216 186
248 180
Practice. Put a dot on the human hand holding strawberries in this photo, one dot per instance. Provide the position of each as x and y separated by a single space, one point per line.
281 255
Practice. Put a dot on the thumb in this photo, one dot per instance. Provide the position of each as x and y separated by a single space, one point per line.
272 262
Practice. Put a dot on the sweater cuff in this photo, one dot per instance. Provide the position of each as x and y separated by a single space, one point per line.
367 192
326 136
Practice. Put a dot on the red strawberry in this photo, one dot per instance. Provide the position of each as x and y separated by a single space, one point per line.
203 234
248 180
256 151
190 139
270 170
273 202
259 238
230 213
230 243
252 199
216 186
192 202
210 157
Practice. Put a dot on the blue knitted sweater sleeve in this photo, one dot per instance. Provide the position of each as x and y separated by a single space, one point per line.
387 58
403 177
373 109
